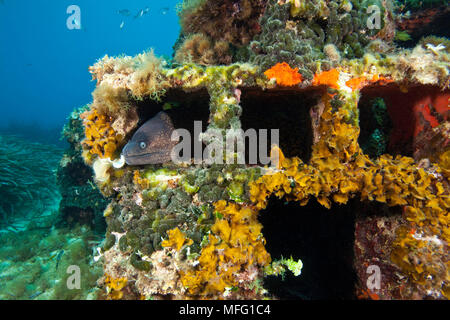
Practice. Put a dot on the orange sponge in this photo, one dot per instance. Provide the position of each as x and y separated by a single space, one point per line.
328 78
284 74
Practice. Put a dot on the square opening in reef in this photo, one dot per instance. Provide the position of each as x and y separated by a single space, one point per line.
322 238
286 110
183 108
397 121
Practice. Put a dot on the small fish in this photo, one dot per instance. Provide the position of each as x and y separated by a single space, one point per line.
142 12
170 105
12 228
151 143
122 24
36 294
58 258
124 12
164 11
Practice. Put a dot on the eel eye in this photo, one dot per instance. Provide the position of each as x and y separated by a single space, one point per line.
142 145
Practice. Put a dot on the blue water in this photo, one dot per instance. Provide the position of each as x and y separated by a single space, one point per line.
44 76
44 65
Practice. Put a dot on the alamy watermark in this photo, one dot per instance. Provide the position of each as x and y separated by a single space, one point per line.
226 146
73 22
74 279
374 280
374 20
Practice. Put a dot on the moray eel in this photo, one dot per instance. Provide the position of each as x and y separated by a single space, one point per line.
151 143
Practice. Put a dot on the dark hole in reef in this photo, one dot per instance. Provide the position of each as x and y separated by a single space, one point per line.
183 108
323 239
425 22
286 110
413 112
375 124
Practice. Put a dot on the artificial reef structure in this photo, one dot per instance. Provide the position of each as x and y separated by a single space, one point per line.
364 160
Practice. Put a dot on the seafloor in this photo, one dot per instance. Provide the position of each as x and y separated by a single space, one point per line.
356 207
